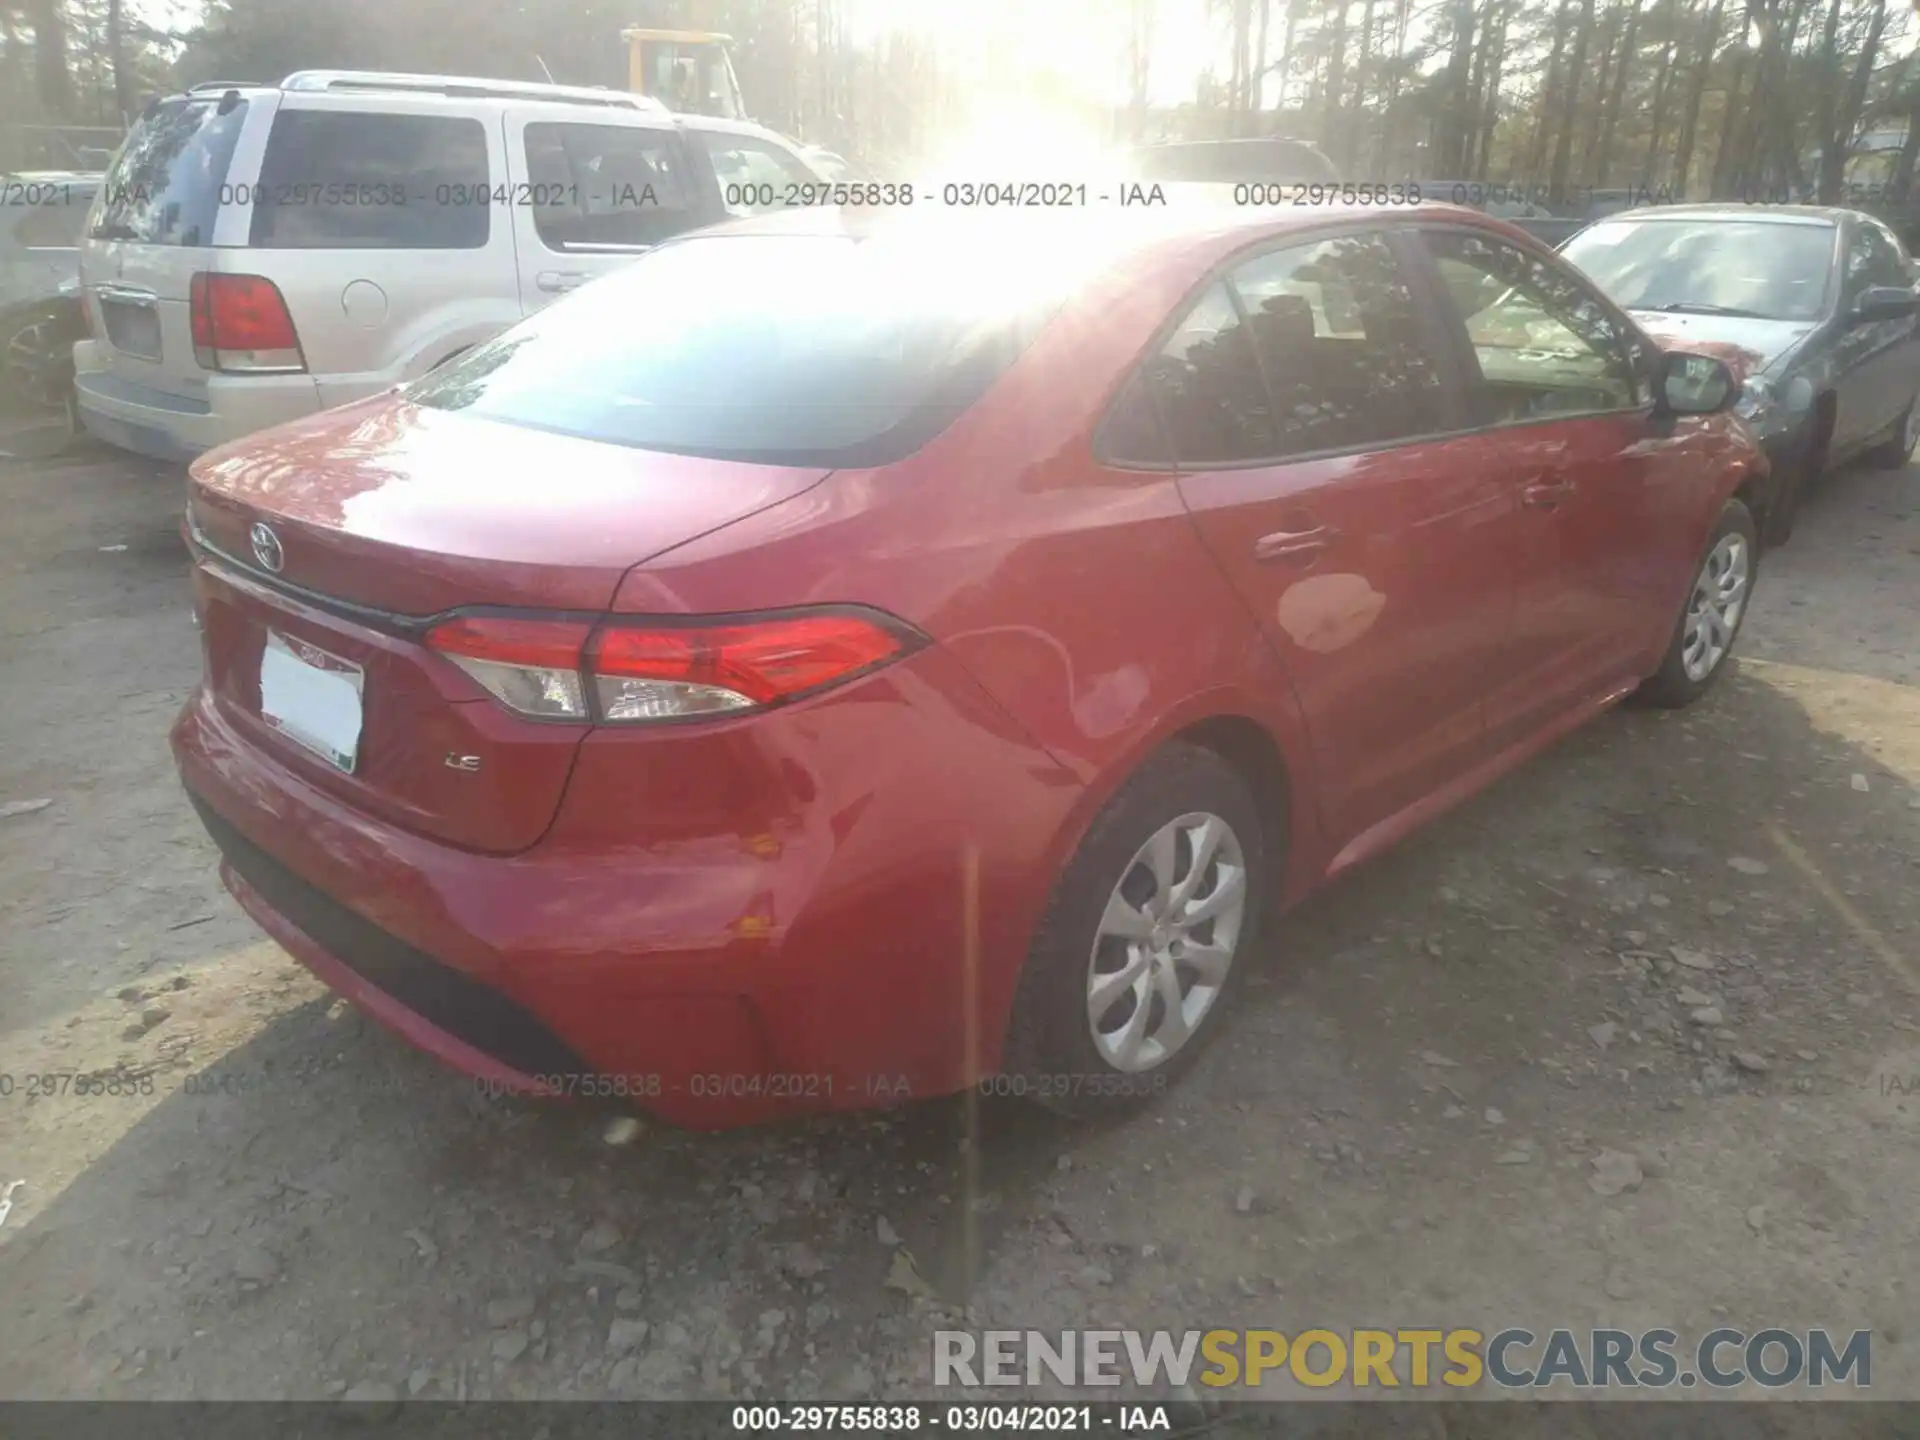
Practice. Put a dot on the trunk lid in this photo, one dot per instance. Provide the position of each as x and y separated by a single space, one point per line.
383 513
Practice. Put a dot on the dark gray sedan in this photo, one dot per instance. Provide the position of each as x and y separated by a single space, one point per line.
1817 305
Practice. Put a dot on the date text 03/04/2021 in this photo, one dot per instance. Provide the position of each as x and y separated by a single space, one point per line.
1106 1418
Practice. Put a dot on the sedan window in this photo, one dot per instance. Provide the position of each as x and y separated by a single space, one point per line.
1545 347
1209 388
1341 344
1874 258
1311 348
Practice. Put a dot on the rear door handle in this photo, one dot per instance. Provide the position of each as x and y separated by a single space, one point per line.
558 282
1294 544
1547 494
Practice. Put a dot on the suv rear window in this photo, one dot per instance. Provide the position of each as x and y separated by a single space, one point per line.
353 180
781 349
164 189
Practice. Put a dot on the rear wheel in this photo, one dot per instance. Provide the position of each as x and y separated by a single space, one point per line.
1710 619
37 416
36 364
1144 942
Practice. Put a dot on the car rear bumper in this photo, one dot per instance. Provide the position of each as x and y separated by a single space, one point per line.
166 426
717 980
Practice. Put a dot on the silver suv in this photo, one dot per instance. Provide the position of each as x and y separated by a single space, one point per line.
257 253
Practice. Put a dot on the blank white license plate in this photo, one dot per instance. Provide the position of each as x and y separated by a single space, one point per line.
312 698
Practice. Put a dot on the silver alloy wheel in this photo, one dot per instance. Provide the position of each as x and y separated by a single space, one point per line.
1166 942
1713 614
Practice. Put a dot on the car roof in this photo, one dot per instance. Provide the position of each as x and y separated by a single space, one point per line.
1724 210
431 86
1210 228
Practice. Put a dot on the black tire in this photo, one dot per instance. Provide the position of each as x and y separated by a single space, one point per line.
36 362
1671 687
1799 467
1893 453
1051 1053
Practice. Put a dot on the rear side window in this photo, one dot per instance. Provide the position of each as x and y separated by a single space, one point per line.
1342 345
351 180
1208 386
1312 348
165 186
606 186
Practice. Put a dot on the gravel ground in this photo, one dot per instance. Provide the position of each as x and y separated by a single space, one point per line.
1622 1042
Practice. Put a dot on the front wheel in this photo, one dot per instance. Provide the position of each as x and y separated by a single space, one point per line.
1144 941
1710 619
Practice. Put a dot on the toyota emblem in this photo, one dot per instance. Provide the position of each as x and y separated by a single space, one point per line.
266 548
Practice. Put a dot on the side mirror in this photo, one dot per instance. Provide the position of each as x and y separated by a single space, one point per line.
1693 385
1885 302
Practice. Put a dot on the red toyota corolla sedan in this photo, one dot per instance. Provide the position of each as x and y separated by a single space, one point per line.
830 662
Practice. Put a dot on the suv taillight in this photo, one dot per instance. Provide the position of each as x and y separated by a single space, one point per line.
240 323
637 671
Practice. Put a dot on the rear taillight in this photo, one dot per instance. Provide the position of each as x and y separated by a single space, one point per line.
241 323
532 666
634 672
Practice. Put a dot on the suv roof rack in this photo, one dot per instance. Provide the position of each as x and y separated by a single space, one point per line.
208 87
472 86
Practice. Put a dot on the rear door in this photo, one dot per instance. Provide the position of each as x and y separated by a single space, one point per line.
378 218
591 193
154 227
1605 494
1320 450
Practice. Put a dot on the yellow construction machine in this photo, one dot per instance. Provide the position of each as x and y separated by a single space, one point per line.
689 71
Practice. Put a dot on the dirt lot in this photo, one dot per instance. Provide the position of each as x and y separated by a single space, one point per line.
1438 1068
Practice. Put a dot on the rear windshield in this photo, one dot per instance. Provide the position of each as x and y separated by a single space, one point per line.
164 189
800 350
